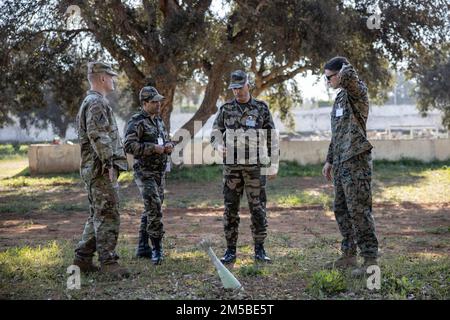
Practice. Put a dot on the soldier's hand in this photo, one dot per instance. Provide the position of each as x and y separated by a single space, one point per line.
339 75
326 171
112 172
159 149
168 148
272 176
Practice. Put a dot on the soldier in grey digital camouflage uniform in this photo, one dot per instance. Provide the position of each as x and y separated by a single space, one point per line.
241 116
349 164
102 158
147 140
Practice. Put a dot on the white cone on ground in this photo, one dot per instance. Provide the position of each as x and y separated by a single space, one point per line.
229 281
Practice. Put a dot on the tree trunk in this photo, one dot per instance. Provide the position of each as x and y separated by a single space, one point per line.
167 106
208 106
165 77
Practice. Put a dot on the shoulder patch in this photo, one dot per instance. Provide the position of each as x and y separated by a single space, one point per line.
95 106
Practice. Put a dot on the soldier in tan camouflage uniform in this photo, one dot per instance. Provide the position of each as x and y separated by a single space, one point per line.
102 158
147 140
241 116
349 159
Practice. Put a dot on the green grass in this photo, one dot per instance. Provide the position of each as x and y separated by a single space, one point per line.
39 272
27 263
293 169
405 181
327 282
299 198
200 173
13 151
416 278
41 181
386 170
26 204
421 184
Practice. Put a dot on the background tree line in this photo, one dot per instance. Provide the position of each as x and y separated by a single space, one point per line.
170 43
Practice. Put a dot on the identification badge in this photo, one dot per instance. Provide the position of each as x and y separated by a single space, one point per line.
250 122
160 141
339 112
168 166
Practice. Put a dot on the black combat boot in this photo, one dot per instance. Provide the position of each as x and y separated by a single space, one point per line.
229 256
260 254
143 250
157 253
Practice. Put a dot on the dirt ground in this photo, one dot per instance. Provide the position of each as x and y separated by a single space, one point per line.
401 222
42 219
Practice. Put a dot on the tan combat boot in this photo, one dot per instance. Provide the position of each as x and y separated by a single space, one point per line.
343 262
85 265
115 270
361 271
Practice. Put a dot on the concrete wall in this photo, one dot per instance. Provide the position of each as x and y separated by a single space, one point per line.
45 158
314 152
424 150
66 158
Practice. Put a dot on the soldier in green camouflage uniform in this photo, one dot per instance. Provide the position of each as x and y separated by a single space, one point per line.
242 168
147 140
102 158
349 158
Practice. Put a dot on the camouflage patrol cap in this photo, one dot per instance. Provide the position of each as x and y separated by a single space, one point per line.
238 79
100 67
150 93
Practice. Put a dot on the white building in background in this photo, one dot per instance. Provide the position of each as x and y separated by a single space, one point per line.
381 118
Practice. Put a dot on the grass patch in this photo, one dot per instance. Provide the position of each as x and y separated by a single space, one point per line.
293 169
299 198
28 263
327 282
13 151
438 230
419 185
205 173
409 277
252 270
19 207
187 273
41 181
200 173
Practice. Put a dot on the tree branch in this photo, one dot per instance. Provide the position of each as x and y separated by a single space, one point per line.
103 35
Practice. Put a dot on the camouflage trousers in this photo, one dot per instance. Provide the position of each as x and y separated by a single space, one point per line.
151 186
101 230
235 179
353 205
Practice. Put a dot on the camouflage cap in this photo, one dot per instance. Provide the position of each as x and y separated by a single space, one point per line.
238 79
100 67
150 93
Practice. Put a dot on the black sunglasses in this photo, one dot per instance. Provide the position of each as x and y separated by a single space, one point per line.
331 76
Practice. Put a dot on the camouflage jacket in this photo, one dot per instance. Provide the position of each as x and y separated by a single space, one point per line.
101 147
140 139
252 120
349 118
